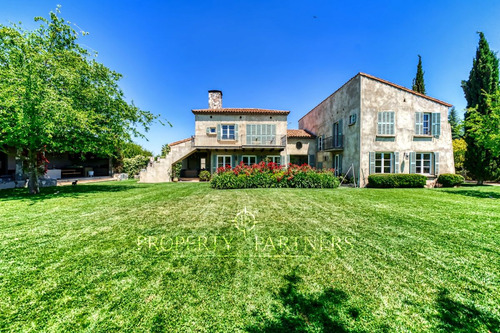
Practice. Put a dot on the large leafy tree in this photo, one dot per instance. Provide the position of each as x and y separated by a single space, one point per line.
480 161
418 81
55 97
132 149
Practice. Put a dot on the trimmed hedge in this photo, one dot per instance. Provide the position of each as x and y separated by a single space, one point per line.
272 175
450 180
204 176
397 180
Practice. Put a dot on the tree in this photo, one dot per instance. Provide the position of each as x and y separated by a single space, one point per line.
480 161
485 129
418 81
455 123
55 97
165 149
459 149
131 149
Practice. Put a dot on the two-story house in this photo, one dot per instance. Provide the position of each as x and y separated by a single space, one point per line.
370 126
367 126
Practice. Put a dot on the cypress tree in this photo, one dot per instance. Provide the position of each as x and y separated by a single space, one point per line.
454 124
483 79
418 81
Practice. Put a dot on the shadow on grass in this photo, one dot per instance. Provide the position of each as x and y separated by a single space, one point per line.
475 193
328 311
458 317
63 191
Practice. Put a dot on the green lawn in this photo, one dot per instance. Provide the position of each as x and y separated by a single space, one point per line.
123 256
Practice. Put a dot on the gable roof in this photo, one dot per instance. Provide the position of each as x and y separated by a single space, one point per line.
299 133
405 89
241 111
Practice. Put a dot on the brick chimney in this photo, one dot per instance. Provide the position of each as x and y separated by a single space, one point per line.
215 99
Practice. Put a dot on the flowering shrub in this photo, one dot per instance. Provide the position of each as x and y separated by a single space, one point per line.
273 175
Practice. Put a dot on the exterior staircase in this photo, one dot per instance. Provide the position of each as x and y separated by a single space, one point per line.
160 170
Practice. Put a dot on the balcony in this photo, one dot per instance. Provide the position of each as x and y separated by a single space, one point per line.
244 141
333 143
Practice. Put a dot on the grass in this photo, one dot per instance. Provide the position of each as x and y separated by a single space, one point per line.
88 258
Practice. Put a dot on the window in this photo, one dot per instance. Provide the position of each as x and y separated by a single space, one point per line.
261 134
223 160
211 130
426 124
298 145
423 163
337 134
320 143
337 164
385 124
275 159
227 132
203 163
249 159
352 119
383 162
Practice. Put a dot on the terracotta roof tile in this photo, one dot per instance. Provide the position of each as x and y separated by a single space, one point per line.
241 111
299 133
180 141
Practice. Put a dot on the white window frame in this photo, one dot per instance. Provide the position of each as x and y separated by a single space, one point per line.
419 163
225 159
249 161
274 159
384 158
426 129
320 143
225 132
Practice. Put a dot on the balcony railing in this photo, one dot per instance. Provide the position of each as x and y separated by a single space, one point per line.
244 141
334 142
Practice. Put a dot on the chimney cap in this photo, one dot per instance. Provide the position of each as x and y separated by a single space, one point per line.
214 91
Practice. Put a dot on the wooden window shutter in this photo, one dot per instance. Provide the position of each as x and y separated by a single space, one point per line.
436 124
213 163
396 162
312 161
391 122
236 137
413 162
372 162
419 125
436 163
218 132
379 123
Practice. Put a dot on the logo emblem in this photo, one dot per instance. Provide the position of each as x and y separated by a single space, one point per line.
244 221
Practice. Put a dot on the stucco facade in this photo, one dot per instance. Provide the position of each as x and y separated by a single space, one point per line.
367 126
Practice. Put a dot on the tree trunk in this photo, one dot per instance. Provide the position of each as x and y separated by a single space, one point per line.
33 173
480 182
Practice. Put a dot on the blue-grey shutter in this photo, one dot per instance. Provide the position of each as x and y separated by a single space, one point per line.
372 162
436 163
282 160
218 132
396 162
249 131
213 163
436 124
208 130
287 160
341 132
312 161
234 160
391 116
236 137
419 125
379 123
340 163
413 162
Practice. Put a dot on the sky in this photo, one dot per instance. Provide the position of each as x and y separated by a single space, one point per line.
284 54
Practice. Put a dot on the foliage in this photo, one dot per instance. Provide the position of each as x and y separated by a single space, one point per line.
132 166
273 175
176 170
55 97
418 81
131 149
165 149
459 149
205 175
455 124
485 129
450 180
480 161
397 180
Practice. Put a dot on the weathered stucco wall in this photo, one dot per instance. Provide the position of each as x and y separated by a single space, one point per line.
202 121
308 146
377 96
338 106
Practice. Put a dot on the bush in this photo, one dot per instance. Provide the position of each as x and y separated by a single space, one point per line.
450 180
132 166
264 175
204 176
396 180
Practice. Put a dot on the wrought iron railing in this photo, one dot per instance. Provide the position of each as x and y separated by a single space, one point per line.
333 142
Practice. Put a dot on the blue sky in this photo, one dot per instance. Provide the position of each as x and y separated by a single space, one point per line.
270 54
